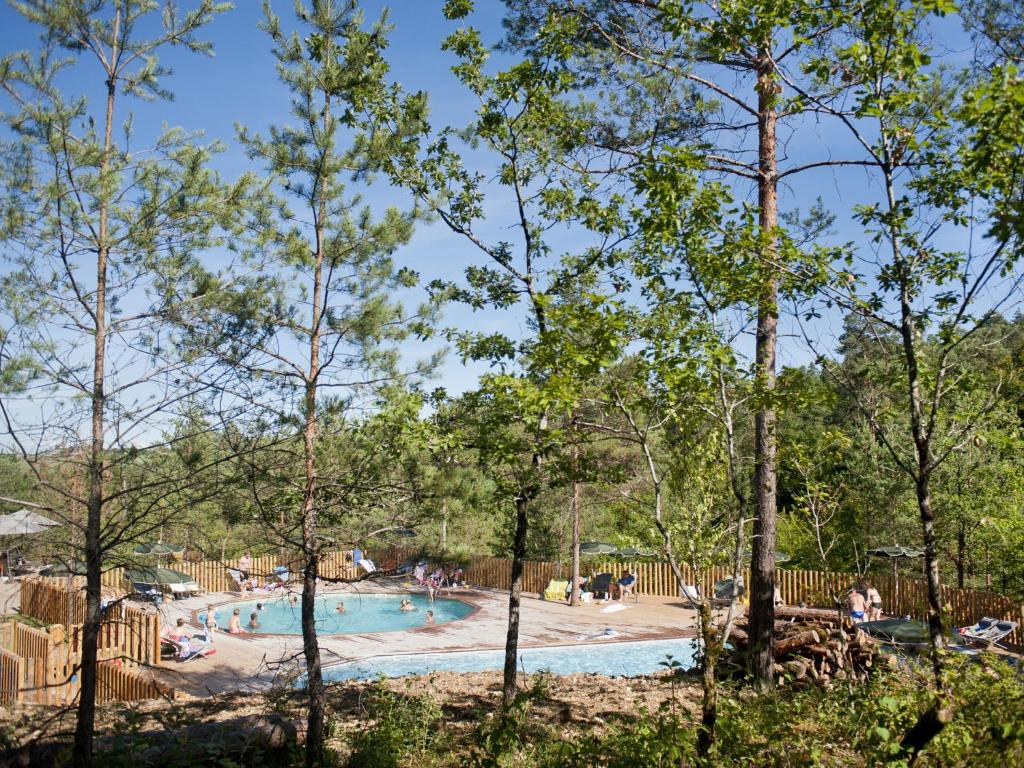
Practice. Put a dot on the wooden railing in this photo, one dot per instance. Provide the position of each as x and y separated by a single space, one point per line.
42 667
128 630
816 588
10 677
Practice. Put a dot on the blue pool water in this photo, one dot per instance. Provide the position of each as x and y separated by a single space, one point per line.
363 613
630 659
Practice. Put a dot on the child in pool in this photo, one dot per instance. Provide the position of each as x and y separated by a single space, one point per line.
235 623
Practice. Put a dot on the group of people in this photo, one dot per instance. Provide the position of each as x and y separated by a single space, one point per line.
864 602
406 606
250 582
443 576
234 622
617 590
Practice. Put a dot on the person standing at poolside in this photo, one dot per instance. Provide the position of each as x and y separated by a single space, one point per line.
857 604
874 600
245 565
211 623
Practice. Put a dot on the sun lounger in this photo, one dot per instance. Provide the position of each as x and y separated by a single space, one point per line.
691 594
601 586
146 592
185 589
629 590
988 631
556 590
236 580
187 650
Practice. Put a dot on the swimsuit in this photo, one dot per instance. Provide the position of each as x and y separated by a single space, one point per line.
857 614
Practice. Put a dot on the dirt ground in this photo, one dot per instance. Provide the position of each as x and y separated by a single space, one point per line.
579 700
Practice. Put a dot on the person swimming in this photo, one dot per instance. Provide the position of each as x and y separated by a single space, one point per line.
340 607
406 605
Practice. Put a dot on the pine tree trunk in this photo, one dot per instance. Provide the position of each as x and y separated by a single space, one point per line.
87 672
310 545
762 566
574 584
512 639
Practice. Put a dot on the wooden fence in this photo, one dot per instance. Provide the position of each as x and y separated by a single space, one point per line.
908 596
42 667
212 575
128 630
10 677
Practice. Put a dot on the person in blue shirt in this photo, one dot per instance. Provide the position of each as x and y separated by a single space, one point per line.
626 584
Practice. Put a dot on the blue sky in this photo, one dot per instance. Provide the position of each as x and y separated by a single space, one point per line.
239 85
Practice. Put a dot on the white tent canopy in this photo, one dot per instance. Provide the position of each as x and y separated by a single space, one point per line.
24 522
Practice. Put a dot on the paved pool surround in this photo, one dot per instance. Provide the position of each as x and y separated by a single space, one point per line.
247 662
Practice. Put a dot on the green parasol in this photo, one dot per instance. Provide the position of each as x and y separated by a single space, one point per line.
157 576
631 553
159 549
596 548
780 557
895 553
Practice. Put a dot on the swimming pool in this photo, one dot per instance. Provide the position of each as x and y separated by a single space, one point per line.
627 659
363 613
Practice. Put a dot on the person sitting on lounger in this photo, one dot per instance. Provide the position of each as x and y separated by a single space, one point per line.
626 584
458 577
583 588
235 623
185 645
180 632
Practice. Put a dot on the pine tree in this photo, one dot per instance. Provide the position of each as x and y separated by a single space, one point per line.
102 239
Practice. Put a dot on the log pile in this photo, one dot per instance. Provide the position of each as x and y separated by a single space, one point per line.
813 647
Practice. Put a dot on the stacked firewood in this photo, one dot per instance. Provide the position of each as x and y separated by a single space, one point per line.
814 647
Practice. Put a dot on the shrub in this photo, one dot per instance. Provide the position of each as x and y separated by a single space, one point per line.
403 730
